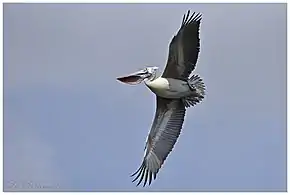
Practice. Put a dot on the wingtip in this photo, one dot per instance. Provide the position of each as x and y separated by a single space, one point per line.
195 16
143 174
137 170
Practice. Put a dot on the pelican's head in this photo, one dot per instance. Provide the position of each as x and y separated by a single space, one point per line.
135 78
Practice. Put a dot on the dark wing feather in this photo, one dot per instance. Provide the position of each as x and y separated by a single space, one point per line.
164 132
184 48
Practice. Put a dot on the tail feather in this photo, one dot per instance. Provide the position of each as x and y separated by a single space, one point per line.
196 85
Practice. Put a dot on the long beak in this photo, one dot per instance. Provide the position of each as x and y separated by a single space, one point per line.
134 78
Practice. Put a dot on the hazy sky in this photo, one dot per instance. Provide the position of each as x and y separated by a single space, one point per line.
68 124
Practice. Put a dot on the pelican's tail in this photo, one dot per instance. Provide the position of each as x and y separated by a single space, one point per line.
196 84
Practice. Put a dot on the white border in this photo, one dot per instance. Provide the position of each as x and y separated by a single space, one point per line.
287 98
131 1
2 97
145 1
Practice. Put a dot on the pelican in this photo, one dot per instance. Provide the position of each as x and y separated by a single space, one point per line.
175 91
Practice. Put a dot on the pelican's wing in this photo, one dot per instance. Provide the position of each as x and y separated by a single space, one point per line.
164 132
184 49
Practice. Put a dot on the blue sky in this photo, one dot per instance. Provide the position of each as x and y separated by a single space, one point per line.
68 124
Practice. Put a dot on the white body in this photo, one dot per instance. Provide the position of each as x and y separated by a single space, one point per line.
169 88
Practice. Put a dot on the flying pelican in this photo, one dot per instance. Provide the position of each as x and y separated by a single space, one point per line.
175 91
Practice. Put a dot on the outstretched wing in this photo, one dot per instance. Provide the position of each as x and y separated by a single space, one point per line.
184 48
164 132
